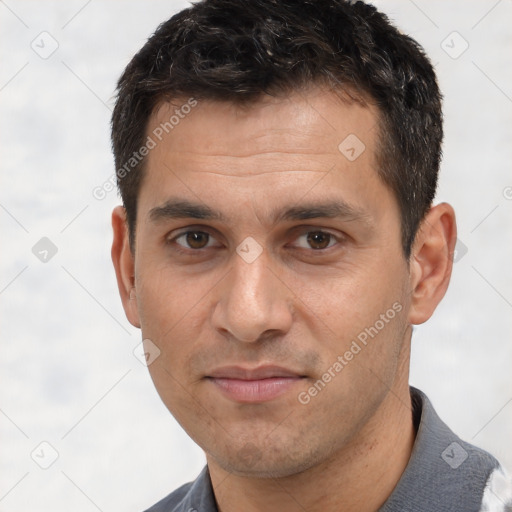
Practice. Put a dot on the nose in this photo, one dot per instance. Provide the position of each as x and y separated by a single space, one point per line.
253 302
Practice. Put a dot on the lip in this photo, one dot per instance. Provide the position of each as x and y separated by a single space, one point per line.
254 385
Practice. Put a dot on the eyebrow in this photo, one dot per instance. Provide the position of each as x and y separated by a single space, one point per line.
334 209
337 209
183 209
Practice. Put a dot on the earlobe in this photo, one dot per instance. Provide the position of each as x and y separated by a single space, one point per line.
124 265
431 261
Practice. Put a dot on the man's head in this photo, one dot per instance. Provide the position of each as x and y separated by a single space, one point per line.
238 51
269 249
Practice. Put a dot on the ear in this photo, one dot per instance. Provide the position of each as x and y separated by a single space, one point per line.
124 264
431 261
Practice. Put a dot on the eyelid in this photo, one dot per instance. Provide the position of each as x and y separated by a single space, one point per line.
190 227
339 238
171 237
207 246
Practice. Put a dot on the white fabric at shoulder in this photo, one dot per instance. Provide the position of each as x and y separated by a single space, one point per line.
497 495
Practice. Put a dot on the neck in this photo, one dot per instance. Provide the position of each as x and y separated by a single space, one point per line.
360 477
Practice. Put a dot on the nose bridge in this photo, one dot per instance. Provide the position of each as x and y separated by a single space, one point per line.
252 301
252 283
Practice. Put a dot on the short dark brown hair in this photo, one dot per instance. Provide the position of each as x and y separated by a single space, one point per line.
239 50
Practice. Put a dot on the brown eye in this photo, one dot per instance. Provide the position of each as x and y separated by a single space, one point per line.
197 239
193 239
318 239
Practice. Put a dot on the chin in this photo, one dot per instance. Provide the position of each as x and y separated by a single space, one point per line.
252 462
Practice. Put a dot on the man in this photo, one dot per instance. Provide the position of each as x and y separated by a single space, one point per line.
277 162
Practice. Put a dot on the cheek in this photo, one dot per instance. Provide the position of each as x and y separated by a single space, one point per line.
351 298
362 318
170 316
166 298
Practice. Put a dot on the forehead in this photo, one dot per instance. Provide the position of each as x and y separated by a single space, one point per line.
312 121
278 147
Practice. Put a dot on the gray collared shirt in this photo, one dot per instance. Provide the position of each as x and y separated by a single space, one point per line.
444 473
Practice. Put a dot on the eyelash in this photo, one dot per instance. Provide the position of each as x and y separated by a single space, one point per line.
190 251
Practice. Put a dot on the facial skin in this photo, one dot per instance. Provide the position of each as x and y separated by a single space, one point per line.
298 305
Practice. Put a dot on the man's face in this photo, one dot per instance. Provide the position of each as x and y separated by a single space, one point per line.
253 305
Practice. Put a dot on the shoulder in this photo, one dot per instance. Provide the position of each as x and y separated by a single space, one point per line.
497 496
191 497
444 472
172 501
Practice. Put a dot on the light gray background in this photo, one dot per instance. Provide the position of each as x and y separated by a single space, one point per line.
68 373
